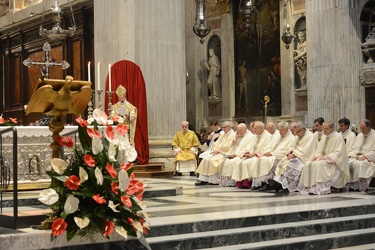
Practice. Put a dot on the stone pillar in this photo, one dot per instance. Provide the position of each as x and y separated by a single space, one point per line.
333 60
152 35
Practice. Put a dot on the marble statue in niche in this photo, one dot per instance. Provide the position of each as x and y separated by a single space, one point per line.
213 79
300 58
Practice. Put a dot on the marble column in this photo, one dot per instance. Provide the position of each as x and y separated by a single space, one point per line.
333 60
152 35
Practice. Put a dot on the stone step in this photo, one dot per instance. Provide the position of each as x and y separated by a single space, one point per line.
256 221
354 238
240 237
152 166
154 174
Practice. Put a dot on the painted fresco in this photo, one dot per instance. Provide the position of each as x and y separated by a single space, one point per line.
257 55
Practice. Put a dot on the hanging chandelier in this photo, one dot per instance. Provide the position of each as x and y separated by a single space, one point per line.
200 28
57 32
247 8
287 37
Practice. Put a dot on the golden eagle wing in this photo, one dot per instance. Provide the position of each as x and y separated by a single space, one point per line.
81 95
42 99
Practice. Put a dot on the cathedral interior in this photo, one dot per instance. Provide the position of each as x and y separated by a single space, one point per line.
199 61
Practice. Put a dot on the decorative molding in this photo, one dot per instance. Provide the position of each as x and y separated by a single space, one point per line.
367 76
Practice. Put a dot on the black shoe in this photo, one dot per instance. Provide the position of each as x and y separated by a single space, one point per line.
312 194
201 183
255 188
276 185
177 174
192 173
266 188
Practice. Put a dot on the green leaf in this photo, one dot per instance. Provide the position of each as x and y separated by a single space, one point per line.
84 138
70 234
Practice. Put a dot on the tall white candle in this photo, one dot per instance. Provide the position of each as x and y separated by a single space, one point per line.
110 80
89 72
98 80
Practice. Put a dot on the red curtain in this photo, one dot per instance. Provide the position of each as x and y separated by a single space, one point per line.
129 75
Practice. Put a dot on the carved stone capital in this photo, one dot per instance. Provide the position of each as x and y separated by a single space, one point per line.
367 76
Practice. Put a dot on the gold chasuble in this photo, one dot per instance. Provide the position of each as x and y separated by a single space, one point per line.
186 145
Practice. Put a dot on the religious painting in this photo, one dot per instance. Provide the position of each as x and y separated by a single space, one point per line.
257 58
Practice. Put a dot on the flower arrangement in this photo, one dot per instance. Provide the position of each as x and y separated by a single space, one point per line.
10 122
95 193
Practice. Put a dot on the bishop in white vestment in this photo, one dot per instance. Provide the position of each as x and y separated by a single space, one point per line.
362 158
259 145
288 171
264 167
209 166
234 155
329 166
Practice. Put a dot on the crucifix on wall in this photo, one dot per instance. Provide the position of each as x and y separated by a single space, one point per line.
48 62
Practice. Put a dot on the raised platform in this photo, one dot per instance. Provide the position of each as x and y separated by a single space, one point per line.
152 170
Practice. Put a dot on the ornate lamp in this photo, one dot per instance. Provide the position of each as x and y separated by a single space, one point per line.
57 32
247 8
200 28
287 37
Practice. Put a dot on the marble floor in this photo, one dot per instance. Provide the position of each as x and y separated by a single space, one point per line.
211 202
194 204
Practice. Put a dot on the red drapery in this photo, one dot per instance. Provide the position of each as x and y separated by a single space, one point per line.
129 75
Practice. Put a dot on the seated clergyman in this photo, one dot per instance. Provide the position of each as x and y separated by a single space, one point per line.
209 166
185 145
362 158
288 171
329 166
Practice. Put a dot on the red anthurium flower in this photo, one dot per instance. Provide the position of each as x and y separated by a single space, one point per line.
131 221
126 200
140 195
122 129
131 190
109 227
14 120
126 167
89 160
99 199
59 226
65 141
114 187
73 182
110 133
82 122
132 176
92 132
115 118
111 170
2 120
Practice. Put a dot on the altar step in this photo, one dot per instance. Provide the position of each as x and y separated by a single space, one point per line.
152 170
341 227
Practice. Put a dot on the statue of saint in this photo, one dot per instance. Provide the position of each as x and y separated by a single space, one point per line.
300 58
127 111
213 80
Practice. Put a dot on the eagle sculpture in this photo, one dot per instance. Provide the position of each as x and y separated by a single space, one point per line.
59 98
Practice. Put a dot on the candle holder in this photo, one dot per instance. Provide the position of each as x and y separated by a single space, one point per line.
90 105
99 92
110 93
